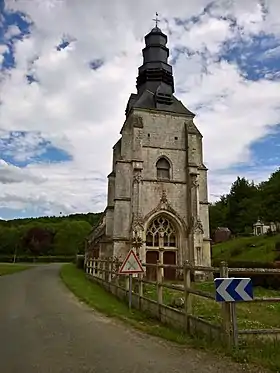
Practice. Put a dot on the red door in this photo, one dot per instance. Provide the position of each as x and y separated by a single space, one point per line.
169 257
151 272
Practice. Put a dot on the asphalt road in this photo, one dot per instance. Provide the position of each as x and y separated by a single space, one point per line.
43 328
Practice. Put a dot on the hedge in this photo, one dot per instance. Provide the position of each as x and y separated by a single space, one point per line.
38 259
267 281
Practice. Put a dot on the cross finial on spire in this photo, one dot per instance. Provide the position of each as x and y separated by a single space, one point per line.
156 19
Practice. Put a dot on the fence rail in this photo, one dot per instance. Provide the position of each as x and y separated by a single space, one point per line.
106 272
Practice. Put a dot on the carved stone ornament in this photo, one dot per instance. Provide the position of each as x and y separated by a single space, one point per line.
137 177
197 226
137 223
137 242
163 196
137 121
195 182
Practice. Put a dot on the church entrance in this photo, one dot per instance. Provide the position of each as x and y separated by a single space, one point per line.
161 236
169 257
151 272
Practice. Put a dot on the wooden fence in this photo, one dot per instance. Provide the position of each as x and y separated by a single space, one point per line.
106 272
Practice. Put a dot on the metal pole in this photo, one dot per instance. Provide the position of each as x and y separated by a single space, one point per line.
234 324
130 291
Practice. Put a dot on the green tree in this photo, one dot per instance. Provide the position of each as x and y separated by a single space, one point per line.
218 214
270 196
70 236
243 206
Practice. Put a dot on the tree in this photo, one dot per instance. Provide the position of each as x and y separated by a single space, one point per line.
218 214
243 205
270 193
69 239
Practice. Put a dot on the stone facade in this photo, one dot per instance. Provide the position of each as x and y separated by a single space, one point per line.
157 191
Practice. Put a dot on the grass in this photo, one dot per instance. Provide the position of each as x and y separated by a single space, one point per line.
254 248
249 315
256 351
8 268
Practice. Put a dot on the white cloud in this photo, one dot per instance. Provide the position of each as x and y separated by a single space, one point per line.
12 31
82 110
10 174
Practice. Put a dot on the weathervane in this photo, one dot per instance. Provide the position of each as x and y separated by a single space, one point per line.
156 19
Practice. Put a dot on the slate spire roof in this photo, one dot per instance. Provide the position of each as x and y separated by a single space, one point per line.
155 82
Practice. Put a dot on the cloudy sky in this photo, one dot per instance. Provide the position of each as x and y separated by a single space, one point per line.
67 68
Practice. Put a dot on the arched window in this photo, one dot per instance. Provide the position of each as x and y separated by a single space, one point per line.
163 169
161 233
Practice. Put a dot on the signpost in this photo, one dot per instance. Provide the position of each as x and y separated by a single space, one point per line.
131 265
234 290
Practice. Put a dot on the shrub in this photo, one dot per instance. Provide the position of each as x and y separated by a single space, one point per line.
236 251
267 281
80 261
277 245
38 259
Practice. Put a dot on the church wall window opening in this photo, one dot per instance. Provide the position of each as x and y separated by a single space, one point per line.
161 233
163 169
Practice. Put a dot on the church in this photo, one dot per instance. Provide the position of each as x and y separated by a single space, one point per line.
157 191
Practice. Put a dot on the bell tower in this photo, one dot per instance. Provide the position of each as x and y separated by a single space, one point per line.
157 190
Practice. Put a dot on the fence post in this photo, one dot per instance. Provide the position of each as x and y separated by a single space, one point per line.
188 296
159 287
109 270
101 269
117 276
226 314
90 267
98 268
140 289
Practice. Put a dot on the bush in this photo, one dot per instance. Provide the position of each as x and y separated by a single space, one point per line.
80 261
267 281
236 251
38 259
277 246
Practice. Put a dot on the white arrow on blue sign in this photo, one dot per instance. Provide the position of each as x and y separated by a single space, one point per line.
233 289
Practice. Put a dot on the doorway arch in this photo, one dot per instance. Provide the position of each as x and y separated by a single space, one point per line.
162 243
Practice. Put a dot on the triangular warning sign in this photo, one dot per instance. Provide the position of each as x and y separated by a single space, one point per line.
131 264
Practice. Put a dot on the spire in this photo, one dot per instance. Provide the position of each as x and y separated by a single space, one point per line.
155 74
155 84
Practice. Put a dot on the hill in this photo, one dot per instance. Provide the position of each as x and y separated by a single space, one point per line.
253 249
62 236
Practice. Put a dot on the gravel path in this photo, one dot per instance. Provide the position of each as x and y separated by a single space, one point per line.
43 328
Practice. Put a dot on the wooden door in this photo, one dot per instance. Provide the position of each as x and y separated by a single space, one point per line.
169 257
151 272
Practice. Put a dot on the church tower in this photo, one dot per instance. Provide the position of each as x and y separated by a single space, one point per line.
157 190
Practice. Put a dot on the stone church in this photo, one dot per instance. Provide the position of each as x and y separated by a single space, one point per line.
157 190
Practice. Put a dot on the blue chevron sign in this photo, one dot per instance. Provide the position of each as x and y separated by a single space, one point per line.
233 289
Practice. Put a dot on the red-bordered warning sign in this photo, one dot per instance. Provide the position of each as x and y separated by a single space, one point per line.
131 264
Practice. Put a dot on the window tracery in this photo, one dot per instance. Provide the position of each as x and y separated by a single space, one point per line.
161 233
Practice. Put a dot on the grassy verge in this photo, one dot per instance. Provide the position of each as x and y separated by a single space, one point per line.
6 268
266 354
99 299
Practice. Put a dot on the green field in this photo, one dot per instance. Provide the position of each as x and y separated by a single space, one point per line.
249 249
7 268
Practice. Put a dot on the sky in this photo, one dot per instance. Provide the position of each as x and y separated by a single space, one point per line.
68 67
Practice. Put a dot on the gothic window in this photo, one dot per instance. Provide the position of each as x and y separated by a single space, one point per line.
163 169
161 233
